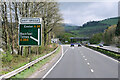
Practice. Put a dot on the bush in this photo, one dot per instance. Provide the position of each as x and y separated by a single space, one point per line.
25 51
42 49
7 57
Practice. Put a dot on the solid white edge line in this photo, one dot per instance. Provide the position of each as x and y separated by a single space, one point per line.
54 64
62 49
103 55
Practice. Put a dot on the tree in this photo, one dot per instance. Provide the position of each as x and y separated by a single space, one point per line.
12 11
16 26
109 34
11 29
117 32
96 38
4 25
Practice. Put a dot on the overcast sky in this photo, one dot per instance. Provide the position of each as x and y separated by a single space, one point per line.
79 13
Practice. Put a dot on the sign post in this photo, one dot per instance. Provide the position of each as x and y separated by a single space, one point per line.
30 32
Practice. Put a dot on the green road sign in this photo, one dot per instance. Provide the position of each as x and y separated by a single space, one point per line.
30 33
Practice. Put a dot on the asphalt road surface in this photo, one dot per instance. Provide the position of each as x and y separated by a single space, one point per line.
82 62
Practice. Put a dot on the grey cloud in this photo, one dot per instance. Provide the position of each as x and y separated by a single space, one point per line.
81 12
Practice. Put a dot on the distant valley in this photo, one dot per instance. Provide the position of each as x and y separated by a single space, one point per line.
90 28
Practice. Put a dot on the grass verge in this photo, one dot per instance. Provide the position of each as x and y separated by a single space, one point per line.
108 53
35 67
11 62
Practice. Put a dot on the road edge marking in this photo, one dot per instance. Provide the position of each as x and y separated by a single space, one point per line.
103 54
54 64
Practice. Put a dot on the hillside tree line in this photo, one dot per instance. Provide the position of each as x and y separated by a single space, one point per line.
110 36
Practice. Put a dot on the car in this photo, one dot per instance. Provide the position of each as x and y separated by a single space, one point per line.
100 45
72 45
79 45
88 44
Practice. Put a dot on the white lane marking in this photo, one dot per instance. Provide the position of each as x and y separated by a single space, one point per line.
54 65
83 56
72 47
91 70
65 52
85 59
88 63
62 50
103 55
108 57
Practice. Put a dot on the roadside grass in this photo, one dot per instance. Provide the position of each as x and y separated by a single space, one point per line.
12 62
29 71
108 53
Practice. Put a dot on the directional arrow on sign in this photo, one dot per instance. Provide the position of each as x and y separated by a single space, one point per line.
38 37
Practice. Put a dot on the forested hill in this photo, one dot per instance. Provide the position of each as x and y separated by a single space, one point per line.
70 27
91 27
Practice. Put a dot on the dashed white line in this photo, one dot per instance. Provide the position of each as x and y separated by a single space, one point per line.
88 63
91 70
83 56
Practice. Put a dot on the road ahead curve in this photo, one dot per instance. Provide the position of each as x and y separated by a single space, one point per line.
81 62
